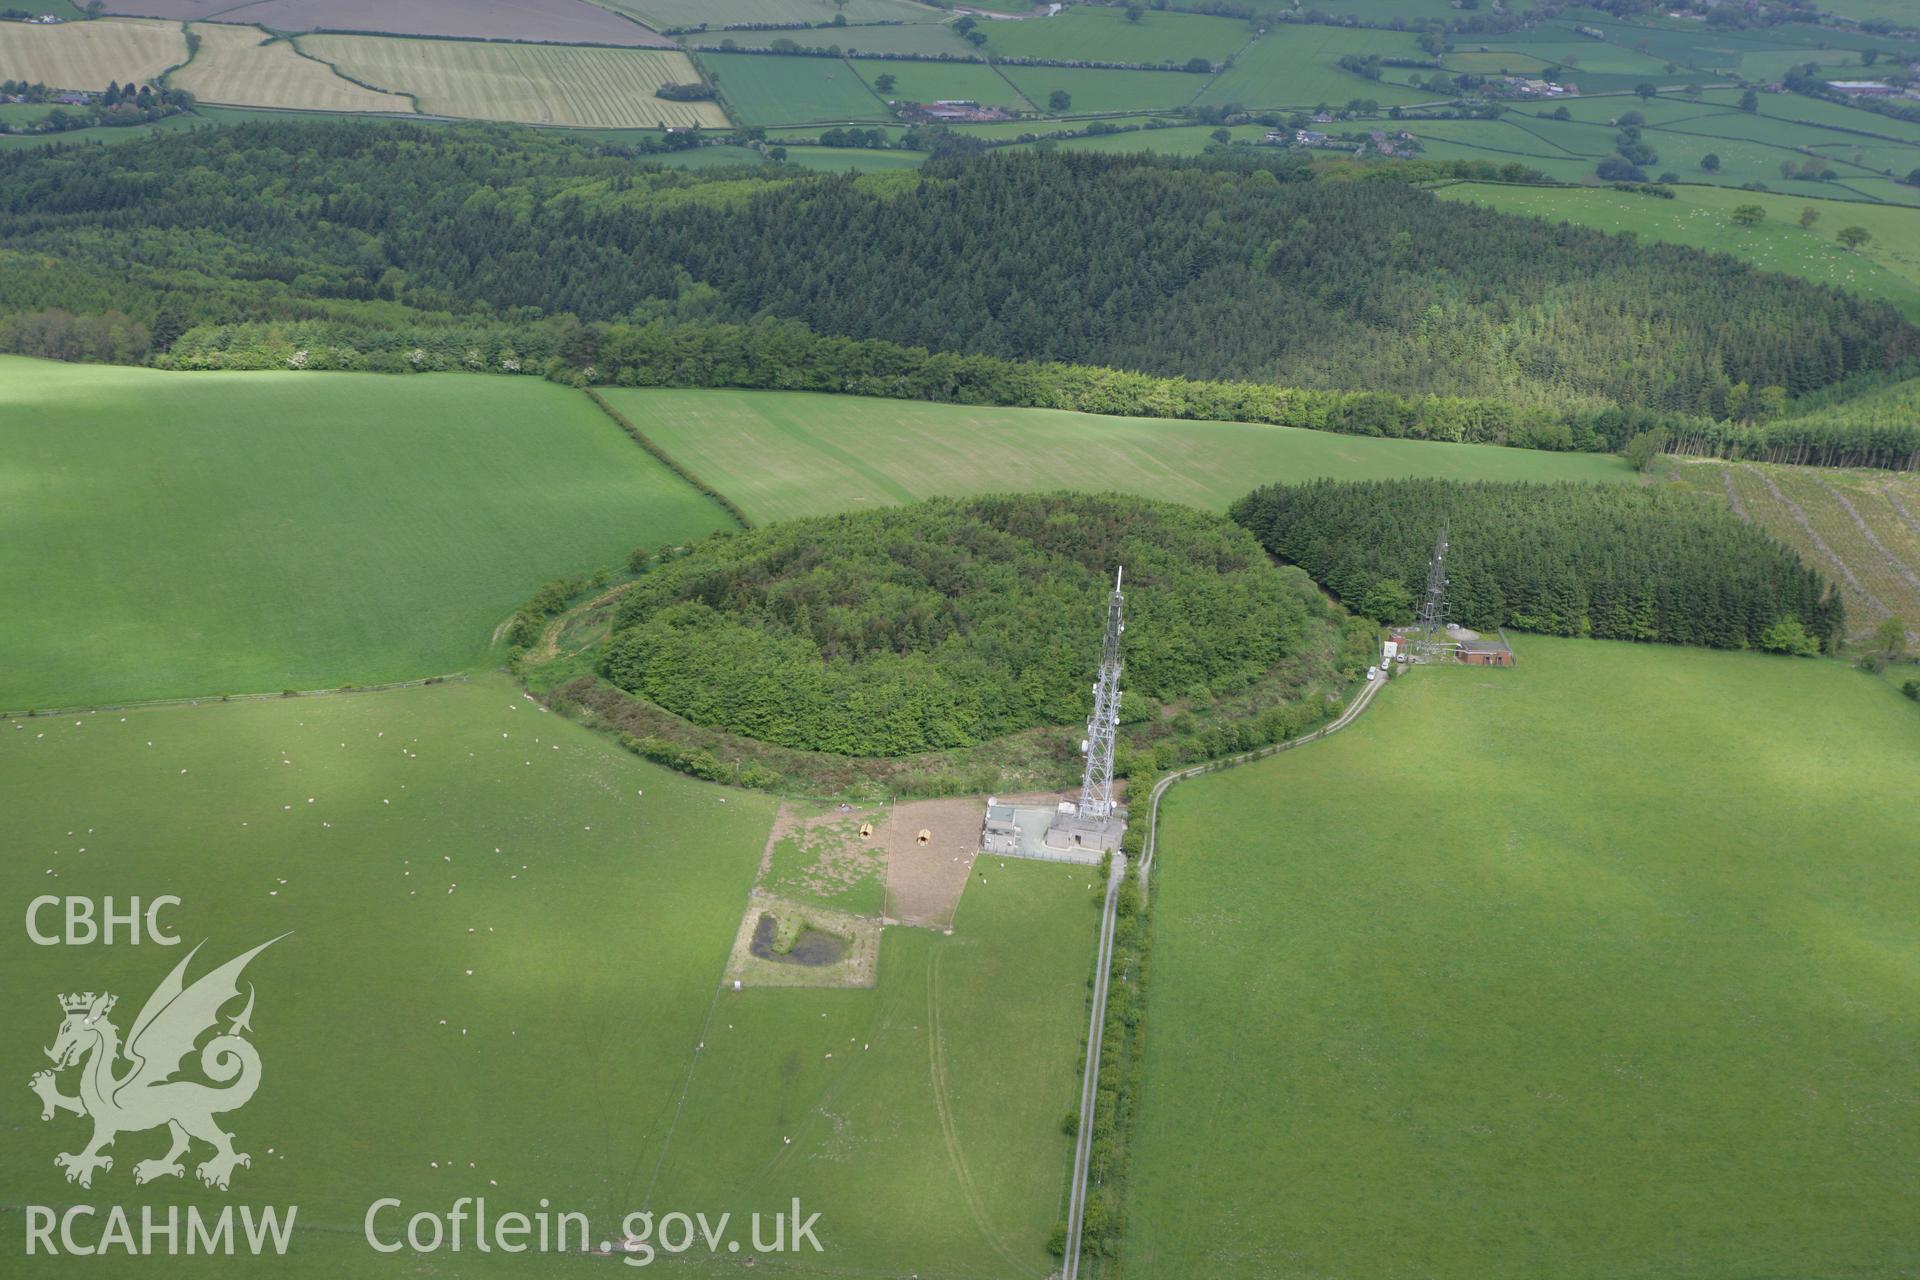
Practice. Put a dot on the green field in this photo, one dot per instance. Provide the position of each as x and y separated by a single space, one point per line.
766 89
841 159
1105 35
1750 146
921 37
104 134
937 81
203 533
507 942
1101 90
1191 141
782 454
1473 990
1298 66
925 1114
1887 267
719 13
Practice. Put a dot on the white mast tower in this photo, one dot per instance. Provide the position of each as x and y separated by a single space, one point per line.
1097 822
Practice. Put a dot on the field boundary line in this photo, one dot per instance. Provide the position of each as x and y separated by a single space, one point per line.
41 713
667 460
408 94
1103 966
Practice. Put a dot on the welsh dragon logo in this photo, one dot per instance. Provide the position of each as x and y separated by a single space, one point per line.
145 1095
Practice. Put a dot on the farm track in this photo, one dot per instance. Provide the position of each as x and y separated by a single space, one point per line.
1103 966
149 703
949 1131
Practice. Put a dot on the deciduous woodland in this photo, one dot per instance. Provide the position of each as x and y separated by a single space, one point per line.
937 625
1612 562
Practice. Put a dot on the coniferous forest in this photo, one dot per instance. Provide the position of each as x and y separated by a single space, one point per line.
1611 562
1217 268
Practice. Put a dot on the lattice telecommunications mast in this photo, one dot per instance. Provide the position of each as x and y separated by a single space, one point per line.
1096 822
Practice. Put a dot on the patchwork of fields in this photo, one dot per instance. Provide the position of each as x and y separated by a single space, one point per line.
1298 66
715 14
1886 267
205 533
1480 984
1599 968
566 21
534 84
246 67
782 454
1106 35
1747 148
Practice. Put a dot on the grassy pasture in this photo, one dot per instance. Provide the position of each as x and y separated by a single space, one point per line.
602 88
922 37
243 66
176 534
773 90
100 136
935 81
719 13
382 1006
1103 90
599 931
784 454
87 55
1190 141
1547 159
1105 35
1751 147
1887 268
1658 111
1475 990
1885 189
1297 66
841 159
925 1113
1496 61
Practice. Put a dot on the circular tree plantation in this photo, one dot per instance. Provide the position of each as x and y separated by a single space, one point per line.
950 622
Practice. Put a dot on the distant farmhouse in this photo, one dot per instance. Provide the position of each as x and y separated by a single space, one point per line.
1527 87
1862 88
954 111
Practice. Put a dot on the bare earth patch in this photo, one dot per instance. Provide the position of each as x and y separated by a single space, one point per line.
925 881
858 964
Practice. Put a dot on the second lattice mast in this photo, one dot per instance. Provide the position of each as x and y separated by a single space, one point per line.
1433 608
